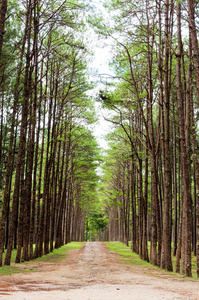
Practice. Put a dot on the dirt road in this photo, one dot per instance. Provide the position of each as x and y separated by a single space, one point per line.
94 273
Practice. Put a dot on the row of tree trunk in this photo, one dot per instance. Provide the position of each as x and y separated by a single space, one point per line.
42 192
158 119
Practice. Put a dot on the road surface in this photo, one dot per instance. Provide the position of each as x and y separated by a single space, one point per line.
94 273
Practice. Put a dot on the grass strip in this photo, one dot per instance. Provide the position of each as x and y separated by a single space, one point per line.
130 258
53 257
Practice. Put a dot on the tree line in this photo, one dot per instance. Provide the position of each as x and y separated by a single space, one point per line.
151 170
49 187
48 154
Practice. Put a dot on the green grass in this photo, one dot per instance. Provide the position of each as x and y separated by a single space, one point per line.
6 270
130 258
59 254
126 255
56 256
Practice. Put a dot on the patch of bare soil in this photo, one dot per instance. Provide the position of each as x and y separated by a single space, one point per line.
94 272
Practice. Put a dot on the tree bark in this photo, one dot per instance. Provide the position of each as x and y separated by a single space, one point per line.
186 217
6 198
166 262
194 38
22 142
3 12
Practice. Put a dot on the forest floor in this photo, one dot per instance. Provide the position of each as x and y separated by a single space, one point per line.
92 273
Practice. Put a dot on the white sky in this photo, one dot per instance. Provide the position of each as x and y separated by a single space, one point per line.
99 66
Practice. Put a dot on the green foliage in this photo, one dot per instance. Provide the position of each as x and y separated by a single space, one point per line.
111 99
117 204
86 158
96 223
106 98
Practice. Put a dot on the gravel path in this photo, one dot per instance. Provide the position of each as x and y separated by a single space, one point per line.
94 273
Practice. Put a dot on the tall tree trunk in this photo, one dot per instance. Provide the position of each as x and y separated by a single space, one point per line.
63 192
156 227
145 207
30 157
133 208
22 142
3 12
40 216
196 171
175 227
166 240
35 105
186 218
194 38
6 198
